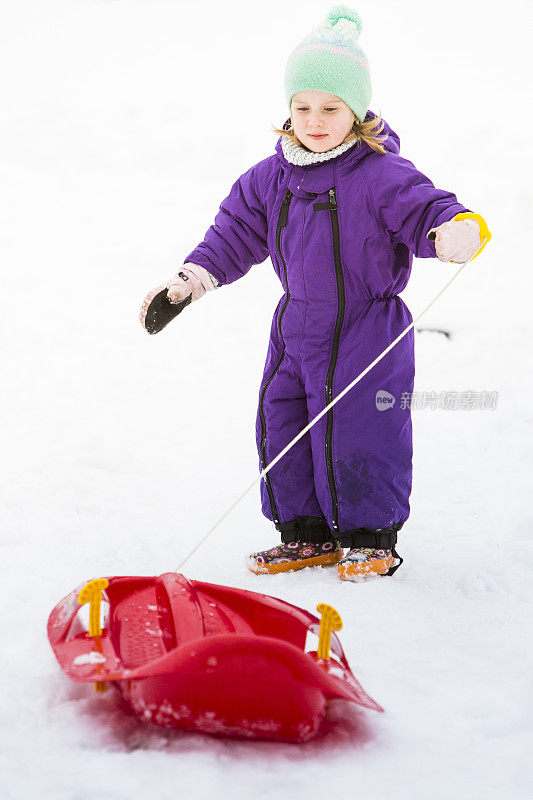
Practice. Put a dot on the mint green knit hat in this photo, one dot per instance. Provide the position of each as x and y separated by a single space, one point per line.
330 60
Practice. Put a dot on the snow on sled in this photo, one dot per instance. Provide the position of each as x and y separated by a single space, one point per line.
200 657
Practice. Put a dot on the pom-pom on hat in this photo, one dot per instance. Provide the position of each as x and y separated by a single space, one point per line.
330 60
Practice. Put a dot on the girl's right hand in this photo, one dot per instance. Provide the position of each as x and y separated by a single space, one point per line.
190 280
165 302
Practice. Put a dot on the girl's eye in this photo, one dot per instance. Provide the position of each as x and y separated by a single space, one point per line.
326 109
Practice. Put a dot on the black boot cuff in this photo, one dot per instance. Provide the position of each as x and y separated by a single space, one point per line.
314 530
381 539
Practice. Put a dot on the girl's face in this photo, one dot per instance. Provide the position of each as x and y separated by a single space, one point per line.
320 120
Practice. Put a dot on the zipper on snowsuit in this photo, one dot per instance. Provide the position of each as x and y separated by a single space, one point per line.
341 298
282 221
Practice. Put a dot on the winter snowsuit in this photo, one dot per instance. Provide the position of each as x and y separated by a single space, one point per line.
341 235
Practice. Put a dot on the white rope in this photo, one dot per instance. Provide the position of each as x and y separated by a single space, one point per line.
326 409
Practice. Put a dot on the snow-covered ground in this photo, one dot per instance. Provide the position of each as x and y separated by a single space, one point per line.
123 125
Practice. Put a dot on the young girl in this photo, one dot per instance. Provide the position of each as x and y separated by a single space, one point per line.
341 214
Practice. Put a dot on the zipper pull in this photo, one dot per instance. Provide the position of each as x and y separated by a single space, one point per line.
332 198
284 212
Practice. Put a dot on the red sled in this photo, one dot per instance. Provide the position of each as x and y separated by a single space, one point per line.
200 657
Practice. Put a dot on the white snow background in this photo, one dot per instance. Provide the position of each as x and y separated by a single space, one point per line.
123 125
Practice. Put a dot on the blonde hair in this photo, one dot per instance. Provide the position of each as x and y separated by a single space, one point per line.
365 131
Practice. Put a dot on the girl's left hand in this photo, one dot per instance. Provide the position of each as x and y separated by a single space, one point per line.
456 240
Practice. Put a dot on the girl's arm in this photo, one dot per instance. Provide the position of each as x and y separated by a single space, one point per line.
237 239
406 203
234 242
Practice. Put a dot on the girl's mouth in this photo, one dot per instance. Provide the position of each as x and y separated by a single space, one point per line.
317 135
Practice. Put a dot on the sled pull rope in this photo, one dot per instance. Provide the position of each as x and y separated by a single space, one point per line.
330 620
325 411
92 594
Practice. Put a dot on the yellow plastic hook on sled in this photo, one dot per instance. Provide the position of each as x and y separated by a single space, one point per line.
330 620
92 594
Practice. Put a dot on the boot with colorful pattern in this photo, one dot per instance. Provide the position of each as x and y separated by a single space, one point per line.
362 562
294 555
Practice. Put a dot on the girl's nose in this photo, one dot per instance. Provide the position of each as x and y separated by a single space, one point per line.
315 122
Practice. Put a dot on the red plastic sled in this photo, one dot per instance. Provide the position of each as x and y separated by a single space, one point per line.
197 656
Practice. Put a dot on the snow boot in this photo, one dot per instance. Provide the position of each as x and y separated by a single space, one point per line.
294 555
362 562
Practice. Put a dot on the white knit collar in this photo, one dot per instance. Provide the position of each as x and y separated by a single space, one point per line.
296 154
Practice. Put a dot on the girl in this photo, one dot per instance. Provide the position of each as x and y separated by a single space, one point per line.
341 214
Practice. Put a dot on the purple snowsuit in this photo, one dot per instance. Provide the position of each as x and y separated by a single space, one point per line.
341 235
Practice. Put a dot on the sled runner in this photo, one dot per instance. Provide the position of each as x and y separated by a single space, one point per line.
201 657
